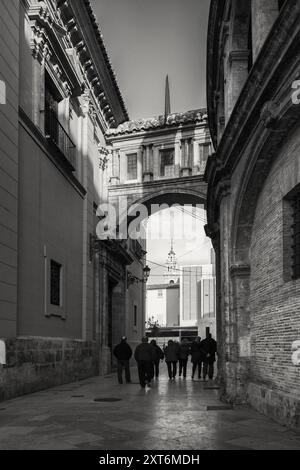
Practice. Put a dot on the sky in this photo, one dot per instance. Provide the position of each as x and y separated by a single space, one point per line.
190 243
148 39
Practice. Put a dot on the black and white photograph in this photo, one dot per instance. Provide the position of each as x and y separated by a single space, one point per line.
149 228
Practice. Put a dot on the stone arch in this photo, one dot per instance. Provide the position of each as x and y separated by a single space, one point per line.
170 196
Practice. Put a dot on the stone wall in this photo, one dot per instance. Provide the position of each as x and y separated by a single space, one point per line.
9 77
35 364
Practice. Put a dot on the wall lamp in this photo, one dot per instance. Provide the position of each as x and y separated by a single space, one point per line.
131 279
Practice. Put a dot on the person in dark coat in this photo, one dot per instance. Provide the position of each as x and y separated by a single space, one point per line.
158 356
144 355
184 351
197 357
172 357
123 353
209 348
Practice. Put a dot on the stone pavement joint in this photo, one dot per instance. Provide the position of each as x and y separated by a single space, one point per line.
180 415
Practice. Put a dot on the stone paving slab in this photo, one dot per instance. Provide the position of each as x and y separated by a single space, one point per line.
169 416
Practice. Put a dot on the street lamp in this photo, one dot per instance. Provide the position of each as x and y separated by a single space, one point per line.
146 271
131 279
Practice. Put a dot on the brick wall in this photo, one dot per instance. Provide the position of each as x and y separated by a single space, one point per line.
9 74
275 298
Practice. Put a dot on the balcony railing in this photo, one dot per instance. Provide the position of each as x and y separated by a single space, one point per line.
56 134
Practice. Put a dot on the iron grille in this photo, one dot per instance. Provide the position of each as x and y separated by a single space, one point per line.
57 135
296 237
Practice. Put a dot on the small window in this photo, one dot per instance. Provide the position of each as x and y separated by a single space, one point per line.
159 294
135 316
167 159
295 202
132 166
55 283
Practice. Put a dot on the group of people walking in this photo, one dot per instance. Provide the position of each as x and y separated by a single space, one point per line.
148 357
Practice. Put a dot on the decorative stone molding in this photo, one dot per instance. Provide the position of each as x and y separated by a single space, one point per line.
84 35
212 231
238 56
103 157
46 46
269 114
239 270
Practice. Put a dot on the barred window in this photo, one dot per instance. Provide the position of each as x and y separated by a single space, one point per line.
296 236
55 283
132 166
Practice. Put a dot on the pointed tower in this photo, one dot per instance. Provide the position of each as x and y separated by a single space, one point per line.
167 98
171 275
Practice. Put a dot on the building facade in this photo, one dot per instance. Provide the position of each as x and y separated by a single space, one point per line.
163 304
64 295
253 200
197 298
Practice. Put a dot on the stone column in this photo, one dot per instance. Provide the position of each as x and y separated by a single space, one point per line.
240 327
148 174
140 165
227 371
177 159
196 156
115 168
264 14
185 157
238 74
156 163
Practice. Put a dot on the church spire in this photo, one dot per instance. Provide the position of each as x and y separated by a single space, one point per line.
172 272
167 98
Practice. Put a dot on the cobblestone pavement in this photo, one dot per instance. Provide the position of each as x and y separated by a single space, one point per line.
178 415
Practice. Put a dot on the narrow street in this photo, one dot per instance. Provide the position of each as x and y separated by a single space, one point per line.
169 416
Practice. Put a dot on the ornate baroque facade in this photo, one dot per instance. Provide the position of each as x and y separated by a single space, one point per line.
253 200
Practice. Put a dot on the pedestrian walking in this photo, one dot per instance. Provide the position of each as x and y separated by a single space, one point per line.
197 357
184 352
158 356
209 348
172 357
144 356
123 353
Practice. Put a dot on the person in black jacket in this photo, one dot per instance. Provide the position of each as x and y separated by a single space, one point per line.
123 353
197 357
144 355
158 356
172 356
209 348
184 351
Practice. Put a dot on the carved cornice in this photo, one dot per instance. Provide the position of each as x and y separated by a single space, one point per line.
47 45
84 34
